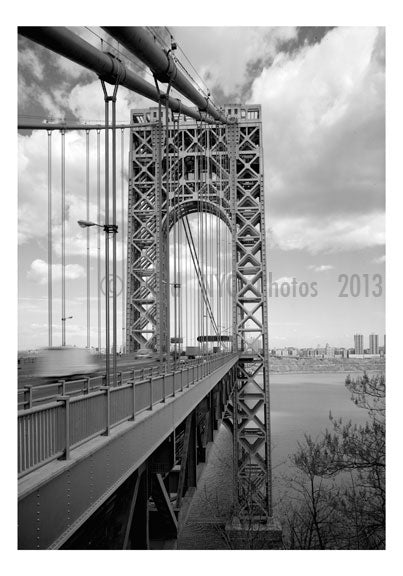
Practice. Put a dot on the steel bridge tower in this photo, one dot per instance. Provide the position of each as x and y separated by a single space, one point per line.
216 168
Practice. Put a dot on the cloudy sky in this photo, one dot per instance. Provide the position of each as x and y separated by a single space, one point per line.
322 92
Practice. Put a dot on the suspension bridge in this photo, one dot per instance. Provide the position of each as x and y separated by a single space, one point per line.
127 446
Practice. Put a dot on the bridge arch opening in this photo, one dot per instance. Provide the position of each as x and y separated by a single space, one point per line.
200 265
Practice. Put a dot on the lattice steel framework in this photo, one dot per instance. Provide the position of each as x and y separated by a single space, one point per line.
217 168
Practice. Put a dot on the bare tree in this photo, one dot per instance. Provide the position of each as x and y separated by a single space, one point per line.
337 496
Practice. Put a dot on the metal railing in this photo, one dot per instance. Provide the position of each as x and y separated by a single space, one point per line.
50 431
30 395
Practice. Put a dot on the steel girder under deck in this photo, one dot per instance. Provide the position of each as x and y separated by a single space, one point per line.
221 169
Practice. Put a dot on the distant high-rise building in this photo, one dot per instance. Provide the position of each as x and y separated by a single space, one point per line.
359 344
373 344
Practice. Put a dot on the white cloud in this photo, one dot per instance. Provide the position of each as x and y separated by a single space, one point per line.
329 235
29 60
323 112
285 280
239 49
380 259
33 186
87 102
321 268
52 104
38 272
323 127
30 94
67 67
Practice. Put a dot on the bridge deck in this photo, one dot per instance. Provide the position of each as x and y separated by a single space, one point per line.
57 497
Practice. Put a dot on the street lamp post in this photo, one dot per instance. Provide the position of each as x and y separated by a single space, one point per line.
108 229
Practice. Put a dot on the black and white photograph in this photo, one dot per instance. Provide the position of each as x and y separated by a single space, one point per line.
200 288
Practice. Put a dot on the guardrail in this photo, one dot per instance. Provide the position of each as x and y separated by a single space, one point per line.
30 395
50 431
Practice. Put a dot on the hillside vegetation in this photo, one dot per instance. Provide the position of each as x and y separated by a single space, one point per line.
309 365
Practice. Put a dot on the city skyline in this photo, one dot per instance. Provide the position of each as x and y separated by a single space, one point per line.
318 346
352 346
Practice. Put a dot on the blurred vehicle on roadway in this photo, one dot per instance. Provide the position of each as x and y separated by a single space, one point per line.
145 354
66 361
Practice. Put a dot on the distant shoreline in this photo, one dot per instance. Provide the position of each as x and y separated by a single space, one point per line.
325 366
354 371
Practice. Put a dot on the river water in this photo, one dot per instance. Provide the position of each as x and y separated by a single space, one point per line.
300 403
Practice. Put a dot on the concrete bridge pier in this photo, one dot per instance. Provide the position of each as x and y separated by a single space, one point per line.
254 534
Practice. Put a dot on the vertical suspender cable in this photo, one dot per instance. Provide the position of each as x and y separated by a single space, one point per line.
203 237
191 289
180 271
167 200
208 228
108 228
114 299
161 344
176 286
208 231
177 236
200 239
204 263
213 225
63 185
175 231
87 190
231 293
200 178
225 231
219 247
199 299
228 262
50 239
185 279
122 154
228 283
181 169
205 249
99 237
223 283
168 194
162 307
107 316
208 240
